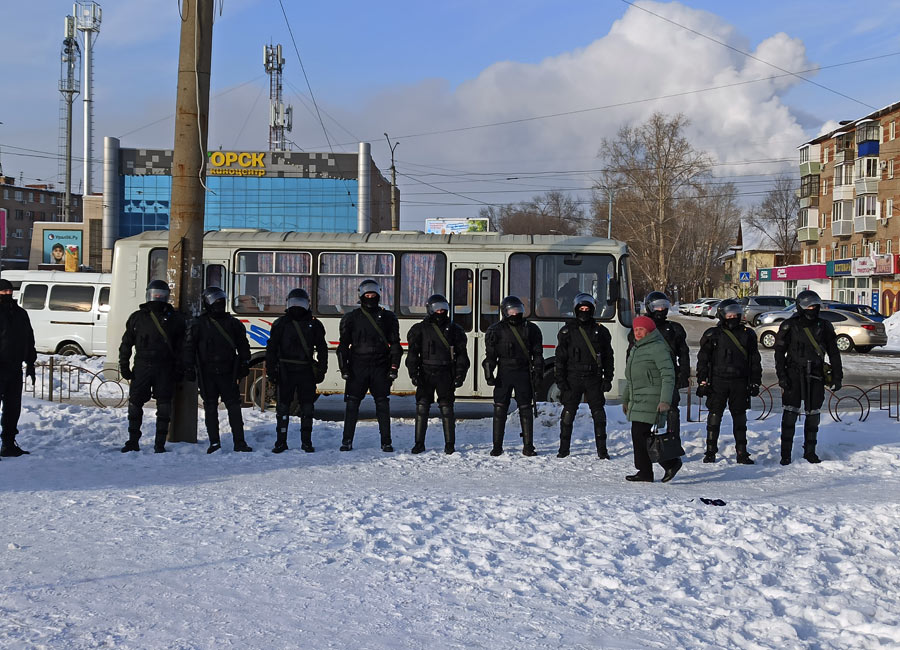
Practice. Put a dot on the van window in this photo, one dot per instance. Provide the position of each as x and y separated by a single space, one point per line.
71 297
34 296
421 276
520 279
103 300
559 278
159 258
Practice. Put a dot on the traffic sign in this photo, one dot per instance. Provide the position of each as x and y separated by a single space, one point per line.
745 276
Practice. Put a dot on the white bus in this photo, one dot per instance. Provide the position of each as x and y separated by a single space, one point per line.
257 269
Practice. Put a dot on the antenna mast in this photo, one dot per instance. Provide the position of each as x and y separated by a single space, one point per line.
69 86
87 21
281 117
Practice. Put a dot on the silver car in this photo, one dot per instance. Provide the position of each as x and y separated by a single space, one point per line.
697 307
709 309
777 316
854 332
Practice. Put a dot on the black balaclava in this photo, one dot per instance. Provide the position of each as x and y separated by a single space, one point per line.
297 313
659 316
370 303
811 313
5 298
440 317
733 323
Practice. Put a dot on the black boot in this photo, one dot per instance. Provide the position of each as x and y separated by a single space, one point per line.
713 425
383 415
788 422
526 418
499 428
131 445
740 438
448 420
163 415
672 470
282 421
135 416
212 426
306 426
810 431
566 423
421 426
9 449
236 421
600 433
351 415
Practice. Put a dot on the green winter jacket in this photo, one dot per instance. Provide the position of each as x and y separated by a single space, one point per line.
650 378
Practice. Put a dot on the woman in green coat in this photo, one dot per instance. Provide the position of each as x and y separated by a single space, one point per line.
650 382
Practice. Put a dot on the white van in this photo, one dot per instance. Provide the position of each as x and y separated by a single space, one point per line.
68 311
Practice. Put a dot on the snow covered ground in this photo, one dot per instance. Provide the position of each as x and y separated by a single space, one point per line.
373 550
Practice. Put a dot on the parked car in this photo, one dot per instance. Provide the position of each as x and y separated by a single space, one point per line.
68 311
854 332
709 309
777 316
864 310
756 305
697 307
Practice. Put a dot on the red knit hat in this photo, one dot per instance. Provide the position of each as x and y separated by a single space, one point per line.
646 322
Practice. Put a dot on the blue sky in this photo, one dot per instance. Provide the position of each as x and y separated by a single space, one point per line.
420 67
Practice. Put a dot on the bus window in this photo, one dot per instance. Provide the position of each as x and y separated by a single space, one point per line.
71 297
34 296
159 258
558 278
215 276
626 293
489 307
263 279
421 276
520 279
340 275
463 292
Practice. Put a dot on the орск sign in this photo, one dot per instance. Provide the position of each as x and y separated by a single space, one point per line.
234 163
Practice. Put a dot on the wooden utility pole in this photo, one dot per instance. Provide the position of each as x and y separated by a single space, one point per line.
185 266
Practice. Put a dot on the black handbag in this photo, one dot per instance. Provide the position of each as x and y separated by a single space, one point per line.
663 446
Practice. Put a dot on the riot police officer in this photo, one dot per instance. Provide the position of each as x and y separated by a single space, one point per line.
16 348
437 361
801 344
584 367
514 349
296 360
368 356
729 371
656 306
218 354
156 333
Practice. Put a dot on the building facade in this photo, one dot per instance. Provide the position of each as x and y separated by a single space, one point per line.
25 205
846 219
753 249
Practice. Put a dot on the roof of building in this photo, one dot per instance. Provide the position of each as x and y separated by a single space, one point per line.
846 126
752 238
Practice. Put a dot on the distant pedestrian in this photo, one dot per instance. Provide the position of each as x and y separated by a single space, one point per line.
16 348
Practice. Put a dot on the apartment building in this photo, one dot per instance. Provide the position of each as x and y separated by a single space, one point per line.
846 218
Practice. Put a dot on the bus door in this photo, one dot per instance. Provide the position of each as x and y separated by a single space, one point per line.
475 295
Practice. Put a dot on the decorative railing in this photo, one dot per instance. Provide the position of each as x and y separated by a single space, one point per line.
57 381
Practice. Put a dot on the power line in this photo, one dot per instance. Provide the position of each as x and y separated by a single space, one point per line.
747 54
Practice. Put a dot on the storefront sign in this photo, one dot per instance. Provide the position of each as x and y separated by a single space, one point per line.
796 272
764 275
838 268
885 264
234 163
875 300
863 266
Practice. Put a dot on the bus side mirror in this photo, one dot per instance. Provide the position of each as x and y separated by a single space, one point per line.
613 292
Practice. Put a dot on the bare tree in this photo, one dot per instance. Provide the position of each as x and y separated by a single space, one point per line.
776 216
553 212
653 166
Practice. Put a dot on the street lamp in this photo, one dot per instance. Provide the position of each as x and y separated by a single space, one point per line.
395 220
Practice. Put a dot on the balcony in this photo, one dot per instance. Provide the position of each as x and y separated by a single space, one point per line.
842 193
809 201
808 234
866 185
844 156
842 228
809 167
865 224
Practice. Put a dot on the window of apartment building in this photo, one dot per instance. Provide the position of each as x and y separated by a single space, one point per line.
825 151
824 186
52 200
804 155
18 233
812 255
19 252
843 175
867 131
823 254
18 195
888 247
889 208
867 205
891 168
19 214
876 247
803 218
809 185
43 197
843 251
31 197
853 250
838 214
867 167
5 193
823 219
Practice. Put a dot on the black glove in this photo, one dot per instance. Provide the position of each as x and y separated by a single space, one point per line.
683 382
392 375
835 385
126 373
563 385
489 380
754 390
29 372
190 374
243 369
703 389
459 380
319 373
605 386
414 378
785 383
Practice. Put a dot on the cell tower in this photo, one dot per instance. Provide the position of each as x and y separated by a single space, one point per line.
87 21
69 86
281 117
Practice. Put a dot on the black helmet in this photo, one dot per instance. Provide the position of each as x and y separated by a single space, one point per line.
297 298
437 302
656 305
730 307
583 299
512 307
5 285
212 295
369 286
157 291
809 304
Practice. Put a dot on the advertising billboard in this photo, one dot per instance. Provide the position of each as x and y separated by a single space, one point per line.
62 247
456 226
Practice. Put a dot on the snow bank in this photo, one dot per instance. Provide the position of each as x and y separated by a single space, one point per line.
373 550
892 328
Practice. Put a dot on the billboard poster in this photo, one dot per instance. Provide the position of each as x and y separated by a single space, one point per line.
62 247
2 227
456 226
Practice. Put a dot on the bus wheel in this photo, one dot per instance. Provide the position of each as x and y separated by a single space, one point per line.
69 349
256 393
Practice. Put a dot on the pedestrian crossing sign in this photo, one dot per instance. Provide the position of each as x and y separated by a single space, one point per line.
745 276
